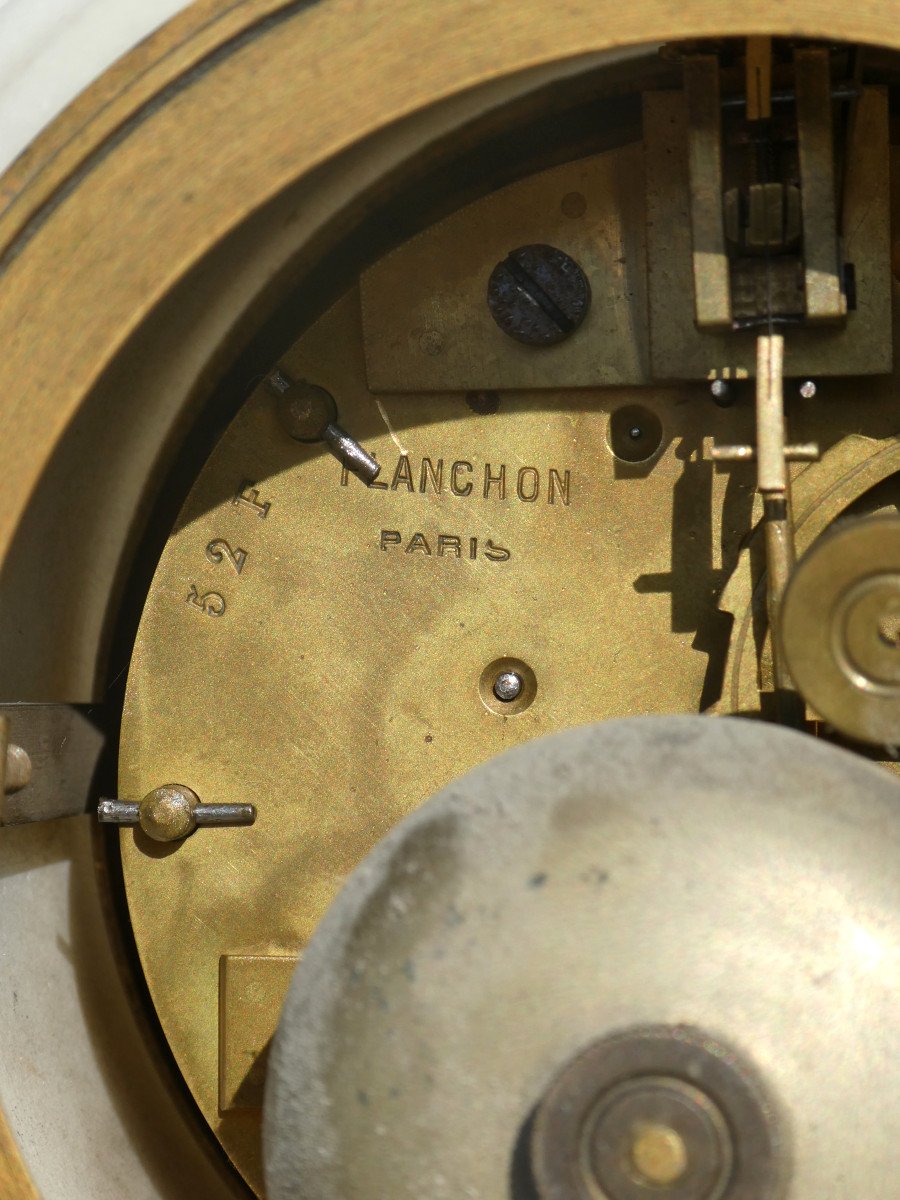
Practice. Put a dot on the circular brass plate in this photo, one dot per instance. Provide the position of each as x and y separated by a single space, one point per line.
329 668
822 493
839 628
674 1080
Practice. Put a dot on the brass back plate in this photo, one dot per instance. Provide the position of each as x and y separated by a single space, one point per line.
335 680
320 649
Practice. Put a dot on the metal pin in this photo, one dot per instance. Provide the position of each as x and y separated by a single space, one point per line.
350 453
172 812
309 414
733 453
759 78
225 814
842 93
118 812
774 482
771 471
802 452
771 456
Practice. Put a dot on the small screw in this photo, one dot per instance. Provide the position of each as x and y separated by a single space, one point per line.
538 295
635 433
508 686
304 409
574 204
720 390
808 389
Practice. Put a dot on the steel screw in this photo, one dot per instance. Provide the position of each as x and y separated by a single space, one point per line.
720 391
538 295
305 410
508 686
808 389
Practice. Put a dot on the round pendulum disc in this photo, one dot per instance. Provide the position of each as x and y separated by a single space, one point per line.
840 627
650 959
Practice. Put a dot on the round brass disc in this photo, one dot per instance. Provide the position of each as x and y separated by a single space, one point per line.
828 491
841 628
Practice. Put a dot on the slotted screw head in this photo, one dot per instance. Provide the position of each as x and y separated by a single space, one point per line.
538 295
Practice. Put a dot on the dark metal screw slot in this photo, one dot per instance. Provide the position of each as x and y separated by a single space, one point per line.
538 295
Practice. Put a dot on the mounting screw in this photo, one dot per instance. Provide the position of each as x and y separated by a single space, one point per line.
720 390
508 686
538 295
808 389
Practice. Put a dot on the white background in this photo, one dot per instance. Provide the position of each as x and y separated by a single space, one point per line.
51 49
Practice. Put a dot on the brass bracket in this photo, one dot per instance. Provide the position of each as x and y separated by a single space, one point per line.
679 347
825 300
49 764
712 285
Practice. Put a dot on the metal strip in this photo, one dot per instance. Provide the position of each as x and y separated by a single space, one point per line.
771 468
51 761
712 286
774 484
824 298
252 988
759 78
